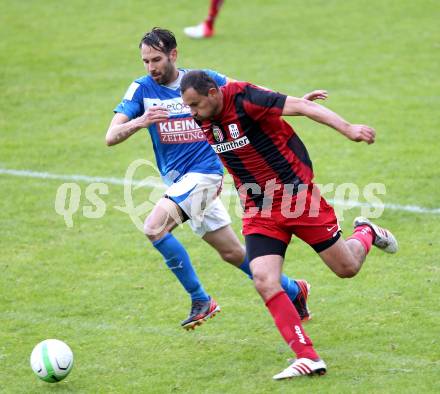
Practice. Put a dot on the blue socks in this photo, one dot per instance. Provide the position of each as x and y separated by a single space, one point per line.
289 285
178 261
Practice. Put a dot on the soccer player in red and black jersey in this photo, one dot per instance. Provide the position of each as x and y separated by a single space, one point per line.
273 174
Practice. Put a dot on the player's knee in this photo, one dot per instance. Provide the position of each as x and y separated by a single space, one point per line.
234 255
263 282
153 233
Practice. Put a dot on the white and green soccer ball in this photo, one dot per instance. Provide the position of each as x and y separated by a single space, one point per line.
52 360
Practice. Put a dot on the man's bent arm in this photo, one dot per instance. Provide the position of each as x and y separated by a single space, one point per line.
120 129
299 107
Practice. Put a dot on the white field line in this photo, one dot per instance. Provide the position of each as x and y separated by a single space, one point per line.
152 184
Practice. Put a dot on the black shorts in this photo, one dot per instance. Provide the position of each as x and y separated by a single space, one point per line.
258 245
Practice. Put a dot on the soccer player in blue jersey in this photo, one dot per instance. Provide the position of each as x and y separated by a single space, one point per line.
190 168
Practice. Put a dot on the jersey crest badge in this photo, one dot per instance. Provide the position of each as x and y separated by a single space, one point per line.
218 134
233 130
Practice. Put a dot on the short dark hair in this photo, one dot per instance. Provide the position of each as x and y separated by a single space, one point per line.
199 81
160 39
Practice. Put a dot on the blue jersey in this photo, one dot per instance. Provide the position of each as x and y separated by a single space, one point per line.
179 144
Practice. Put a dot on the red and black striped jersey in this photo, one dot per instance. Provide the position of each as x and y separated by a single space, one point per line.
255 144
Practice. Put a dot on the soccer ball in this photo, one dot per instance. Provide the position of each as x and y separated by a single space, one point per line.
52 360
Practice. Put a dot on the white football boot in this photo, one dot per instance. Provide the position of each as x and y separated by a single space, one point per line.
383 238
199 31
302 367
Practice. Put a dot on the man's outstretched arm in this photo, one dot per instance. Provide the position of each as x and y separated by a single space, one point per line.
300 107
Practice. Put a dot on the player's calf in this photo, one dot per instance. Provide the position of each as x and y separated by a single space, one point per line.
343 259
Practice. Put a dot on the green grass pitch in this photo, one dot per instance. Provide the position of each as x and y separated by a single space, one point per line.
100 286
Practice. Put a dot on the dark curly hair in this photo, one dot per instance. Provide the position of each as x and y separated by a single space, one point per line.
160 39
